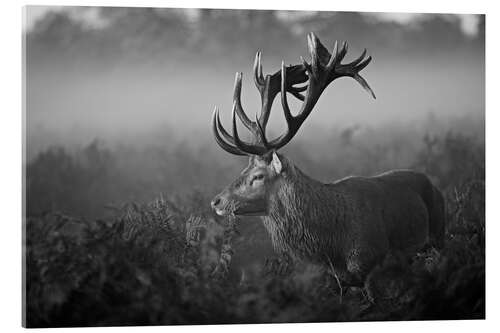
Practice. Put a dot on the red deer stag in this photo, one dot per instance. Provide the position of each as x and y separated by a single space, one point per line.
351 224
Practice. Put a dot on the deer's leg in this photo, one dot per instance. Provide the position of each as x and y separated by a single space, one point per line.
349 277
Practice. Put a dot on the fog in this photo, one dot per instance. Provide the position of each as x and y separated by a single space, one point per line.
121 167
151 76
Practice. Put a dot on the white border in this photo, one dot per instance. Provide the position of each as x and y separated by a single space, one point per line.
10 284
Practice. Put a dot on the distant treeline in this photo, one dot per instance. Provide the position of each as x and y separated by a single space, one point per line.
158 35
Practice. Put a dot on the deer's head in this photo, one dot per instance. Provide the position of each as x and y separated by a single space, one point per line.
249 193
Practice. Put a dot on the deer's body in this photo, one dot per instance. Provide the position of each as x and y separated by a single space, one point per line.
349 225
354 222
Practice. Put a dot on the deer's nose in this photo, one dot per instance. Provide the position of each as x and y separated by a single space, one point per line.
215 202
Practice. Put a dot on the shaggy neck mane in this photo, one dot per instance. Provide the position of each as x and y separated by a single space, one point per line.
296 209
292 196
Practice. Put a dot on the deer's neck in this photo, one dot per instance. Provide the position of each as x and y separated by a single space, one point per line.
302 211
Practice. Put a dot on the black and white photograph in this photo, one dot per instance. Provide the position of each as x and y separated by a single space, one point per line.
205 166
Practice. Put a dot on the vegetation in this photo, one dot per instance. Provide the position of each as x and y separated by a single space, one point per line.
171 261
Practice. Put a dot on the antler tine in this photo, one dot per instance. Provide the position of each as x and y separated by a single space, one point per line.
261 76
261 131
333 58
284 100
237 102
342 52
223 144
311 43
364 84
267 96
244 147
263 84
222 130
361 57
257 71
363 64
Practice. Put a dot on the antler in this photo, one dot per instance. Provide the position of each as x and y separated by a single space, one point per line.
323 69
268 87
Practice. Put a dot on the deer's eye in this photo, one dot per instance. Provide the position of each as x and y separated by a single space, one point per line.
257 177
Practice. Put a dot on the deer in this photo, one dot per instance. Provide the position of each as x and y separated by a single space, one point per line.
349 225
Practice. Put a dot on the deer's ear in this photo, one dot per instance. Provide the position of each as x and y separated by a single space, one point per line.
276 163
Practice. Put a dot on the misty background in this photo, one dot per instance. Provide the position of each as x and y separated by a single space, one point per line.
121 164
123 97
